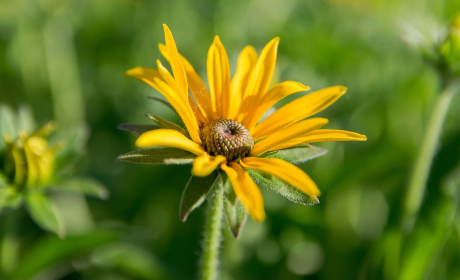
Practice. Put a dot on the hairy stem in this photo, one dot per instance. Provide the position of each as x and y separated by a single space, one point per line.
212 234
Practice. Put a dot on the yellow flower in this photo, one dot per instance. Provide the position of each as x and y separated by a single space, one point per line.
223 123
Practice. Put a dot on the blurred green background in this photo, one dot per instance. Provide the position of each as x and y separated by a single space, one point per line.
66 59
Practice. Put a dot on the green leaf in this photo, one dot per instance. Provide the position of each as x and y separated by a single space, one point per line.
134 261
158 156
7 124
26 120
42 211
9 197
51 250
73 144
297 154
168 125
195 193
87 186
234 211
137 128
164 102
281 187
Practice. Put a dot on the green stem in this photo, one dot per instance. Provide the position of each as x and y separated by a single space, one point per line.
427 152
212 234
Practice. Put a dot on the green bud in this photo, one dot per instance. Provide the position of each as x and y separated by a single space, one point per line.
227 138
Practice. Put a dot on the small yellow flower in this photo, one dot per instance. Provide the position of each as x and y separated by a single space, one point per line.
223 123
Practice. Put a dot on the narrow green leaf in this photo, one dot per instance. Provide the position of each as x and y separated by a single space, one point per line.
9 198
297 154
164 102
137 128
234 211
281 187
87 186
42 212
167 124
52 250
195 193
158 156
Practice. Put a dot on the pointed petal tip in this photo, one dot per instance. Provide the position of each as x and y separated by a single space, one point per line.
343 89
131 72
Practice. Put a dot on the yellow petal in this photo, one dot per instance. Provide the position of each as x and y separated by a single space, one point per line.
323 135
175 61
168 78
260 79
144 74
285 171
269 99
297 110
245 67
168 138
295 130
182 107
246 190
206 164
219 78
196 85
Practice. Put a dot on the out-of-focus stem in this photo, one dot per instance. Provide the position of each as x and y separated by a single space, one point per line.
212 235
63 72
422 167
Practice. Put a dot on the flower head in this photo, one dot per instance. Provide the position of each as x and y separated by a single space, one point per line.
223 124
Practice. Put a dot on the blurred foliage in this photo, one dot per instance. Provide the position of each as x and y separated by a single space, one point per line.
66 59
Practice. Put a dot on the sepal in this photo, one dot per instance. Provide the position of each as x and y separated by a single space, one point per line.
196 191
168 125
287 190
234 211
137 128
158 156
297 154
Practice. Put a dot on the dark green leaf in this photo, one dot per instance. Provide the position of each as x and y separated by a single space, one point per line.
158 156
164 102
195 193
235 213
297 154
51 250
9 197
283 188
87 186
168 125
137 128
42 212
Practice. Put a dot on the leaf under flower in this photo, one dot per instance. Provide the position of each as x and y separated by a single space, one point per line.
158 156
137 128
167 124
283 188
297 154
234 211
195 193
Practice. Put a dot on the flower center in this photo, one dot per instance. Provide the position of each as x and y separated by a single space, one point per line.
227 138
